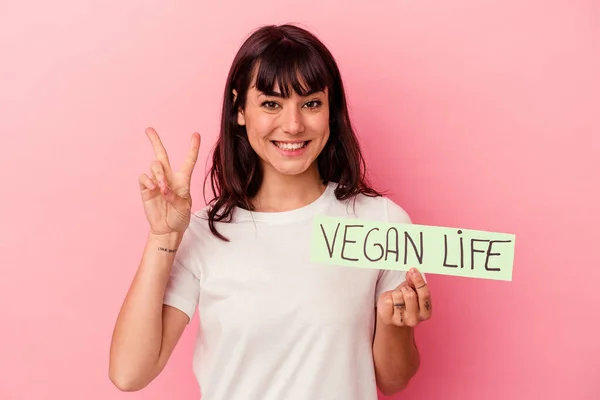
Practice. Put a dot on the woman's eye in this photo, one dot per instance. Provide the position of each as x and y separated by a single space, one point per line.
269 104
313 104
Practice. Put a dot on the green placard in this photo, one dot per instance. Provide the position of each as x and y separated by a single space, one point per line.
431 249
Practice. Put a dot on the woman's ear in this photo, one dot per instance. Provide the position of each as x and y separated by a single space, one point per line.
241 120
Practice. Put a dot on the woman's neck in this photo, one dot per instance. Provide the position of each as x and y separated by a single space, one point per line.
280 192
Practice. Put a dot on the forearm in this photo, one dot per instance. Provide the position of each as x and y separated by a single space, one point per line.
137 337
395 356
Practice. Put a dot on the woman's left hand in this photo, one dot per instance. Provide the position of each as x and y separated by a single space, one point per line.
408 304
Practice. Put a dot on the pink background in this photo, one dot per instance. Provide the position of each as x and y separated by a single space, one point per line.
474 114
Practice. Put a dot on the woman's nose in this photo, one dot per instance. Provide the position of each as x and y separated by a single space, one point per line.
292 121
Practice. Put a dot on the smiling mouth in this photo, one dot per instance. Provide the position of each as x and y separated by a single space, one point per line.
291 146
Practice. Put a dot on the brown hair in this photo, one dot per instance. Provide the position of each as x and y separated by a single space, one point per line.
281 55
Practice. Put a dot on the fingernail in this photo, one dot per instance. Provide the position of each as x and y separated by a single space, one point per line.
413 271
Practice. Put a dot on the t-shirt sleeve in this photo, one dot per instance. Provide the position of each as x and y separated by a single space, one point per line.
389 279
183 286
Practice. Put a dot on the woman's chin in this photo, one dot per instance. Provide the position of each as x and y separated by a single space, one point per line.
291 171
291 168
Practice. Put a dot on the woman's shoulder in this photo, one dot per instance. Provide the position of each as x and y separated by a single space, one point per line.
378 207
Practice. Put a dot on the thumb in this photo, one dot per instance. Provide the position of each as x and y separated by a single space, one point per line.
178 202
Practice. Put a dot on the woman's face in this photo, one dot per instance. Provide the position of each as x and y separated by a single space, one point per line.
287 134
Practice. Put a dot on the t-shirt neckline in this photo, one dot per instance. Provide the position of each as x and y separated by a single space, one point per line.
307 211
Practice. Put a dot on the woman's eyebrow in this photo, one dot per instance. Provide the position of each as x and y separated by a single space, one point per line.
271 94
279 95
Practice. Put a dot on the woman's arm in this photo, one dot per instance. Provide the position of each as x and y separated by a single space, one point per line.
395 356
146 331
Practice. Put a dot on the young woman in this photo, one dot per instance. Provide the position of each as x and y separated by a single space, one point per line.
273 325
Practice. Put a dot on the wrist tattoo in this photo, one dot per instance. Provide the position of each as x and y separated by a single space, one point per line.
167 250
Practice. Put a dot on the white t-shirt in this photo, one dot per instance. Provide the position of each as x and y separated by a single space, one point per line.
273 325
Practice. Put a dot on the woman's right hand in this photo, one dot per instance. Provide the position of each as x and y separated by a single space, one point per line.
166 193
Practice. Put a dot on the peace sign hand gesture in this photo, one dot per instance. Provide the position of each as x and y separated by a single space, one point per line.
408 304
166 193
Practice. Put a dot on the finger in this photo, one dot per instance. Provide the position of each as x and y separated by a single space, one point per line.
159 149
146 183
416 279
168 194
190 161
386 308
409 280
422 292
158 173
411 315
399 307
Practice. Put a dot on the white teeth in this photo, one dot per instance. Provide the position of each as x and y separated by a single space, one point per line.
290 146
